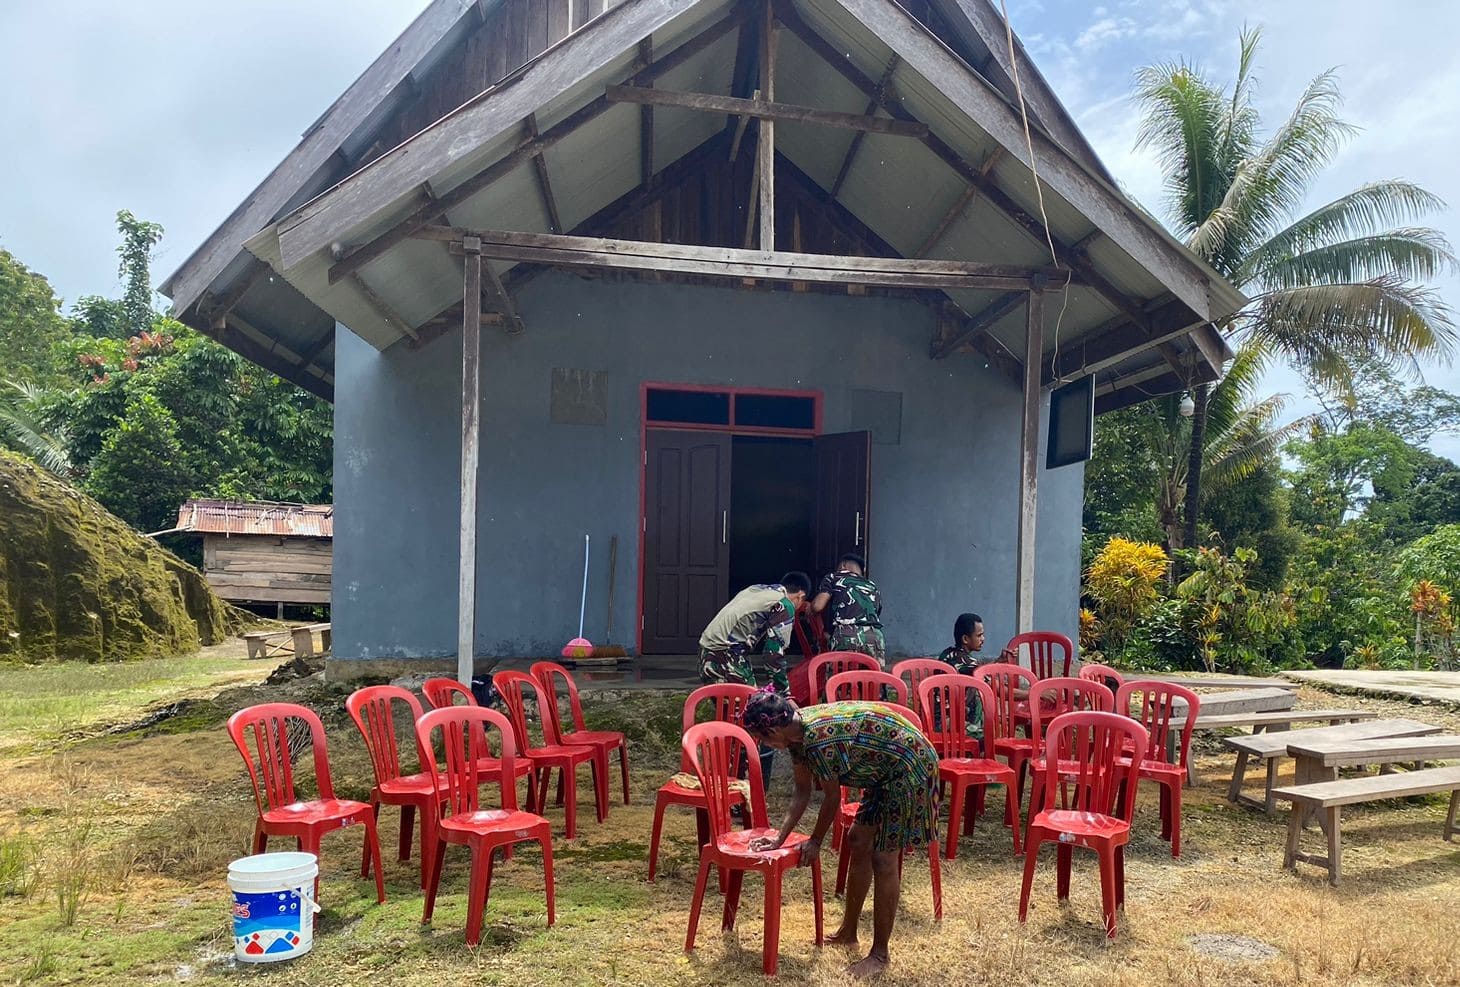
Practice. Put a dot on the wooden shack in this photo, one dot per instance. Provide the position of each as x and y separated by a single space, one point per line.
263 552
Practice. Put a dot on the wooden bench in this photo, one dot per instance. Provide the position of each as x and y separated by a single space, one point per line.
1272 747
289 641
1282 719
267 644
304 639
1327 798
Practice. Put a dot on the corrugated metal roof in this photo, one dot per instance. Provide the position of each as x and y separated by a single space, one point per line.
234 517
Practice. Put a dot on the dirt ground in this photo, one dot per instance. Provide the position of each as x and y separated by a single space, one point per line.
130 831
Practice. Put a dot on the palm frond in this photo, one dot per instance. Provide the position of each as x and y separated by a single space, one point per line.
1386 318
1183 122
1412 253
1237 387
1235 461
21 428
1367 210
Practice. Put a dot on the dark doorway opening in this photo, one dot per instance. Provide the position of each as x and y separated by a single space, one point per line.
772 505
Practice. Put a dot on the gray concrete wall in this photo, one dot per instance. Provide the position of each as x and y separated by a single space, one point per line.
943 499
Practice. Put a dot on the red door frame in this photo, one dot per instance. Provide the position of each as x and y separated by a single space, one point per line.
644 388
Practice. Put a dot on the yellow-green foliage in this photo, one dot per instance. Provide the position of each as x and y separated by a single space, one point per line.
78 583
1125 580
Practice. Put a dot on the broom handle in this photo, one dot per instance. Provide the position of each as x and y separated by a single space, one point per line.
612 569
583 602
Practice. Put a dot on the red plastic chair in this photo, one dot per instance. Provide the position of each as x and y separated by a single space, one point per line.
372 709
1004 680
913 671
552 752
1099 801
1103 674
728 701
442 692
1042 660
964 762
866 685
1054 697
825 665
271 771
1168 746
716 750
579 736
464 821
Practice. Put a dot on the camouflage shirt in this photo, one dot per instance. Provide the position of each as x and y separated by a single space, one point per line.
755 614
965 662
855 600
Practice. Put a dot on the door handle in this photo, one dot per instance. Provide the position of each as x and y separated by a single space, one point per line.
857 536
724 527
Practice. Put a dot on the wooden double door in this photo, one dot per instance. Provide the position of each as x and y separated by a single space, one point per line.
691 528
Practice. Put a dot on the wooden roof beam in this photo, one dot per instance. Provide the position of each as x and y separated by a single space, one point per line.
763 109
352 258
544 186
604 252
382 308
874 101
978 324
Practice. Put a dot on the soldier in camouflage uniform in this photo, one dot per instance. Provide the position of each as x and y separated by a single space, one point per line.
855 605
964 656
757 613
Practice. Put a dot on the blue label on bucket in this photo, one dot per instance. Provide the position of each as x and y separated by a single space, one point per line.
269 922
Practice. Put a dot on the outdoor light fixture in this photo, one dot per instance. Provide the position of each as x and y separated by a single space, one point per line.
1188 406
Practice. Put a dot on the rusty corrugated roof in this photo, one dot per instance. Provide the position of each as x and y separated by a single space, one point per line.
260 517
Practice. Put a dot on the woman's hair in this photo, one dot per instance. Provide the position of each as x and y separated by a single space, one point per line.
767 711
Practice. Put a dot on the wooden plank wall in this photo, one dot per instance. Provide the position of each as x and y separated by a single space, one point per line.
268 568
509 35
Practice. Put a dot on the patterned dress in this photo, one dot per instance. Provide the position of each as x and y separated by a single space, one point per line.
868 746
855 611
756 614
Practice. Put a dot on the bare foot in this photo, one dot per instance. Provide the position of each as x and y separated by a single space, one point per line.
842 937
868 967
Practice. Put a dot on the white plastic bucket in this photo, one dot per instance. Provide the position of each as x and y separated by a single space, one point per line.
273 905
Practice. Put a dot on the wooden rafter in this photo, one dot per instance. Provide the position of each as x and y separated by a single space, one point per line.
1077 261
873 102
978 323
544 186
382 308
494 292
605 252
354 257
958 208
646 124
765 110
215 308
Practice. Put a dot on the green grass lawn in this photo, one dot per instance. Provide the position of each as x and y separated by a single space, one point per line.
44 704
114 849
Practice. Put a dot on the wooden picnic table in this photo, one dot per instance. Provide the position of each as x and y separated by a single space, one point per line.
1272 747
1217 681
1318 760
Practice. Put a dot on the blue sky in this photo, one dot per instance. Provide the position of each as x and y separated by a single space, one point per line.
175 110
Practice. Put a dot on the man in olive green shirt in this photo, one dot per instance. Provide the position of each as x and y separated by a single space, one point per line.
757 613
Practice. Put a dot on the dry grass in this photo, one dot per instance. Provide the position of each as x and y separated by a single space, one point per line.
168 811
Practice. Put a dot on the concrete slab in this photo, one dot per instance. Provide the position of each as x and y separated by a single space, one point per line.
1440 687
1245 701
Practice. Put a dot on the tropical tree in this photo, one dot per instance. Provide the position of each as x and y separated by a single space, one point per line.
1243 435
1345 280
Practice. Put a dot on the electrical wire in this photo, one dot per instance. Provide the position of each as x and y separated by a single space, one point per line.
1038 186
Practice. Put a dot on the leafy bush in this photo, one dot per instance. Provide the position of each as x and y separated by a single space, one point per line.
1125 582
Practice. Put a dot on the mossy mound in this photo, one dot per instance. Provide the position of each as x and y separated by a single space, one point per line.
77 583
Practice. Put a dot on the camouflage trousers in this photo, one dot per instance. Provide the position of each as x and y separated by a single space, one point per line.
726 666
862 640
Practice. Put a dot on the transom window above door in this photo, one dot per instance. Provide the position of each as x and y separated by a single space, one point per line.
737 409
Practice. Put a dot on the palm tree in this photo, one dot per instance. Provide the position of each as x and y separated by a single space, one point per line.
22 429
1242 434
1345 280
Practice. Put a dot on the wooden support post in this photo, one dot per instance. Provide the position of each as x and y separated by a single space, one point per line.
1029 461
766 151
646 122
740 123
471 338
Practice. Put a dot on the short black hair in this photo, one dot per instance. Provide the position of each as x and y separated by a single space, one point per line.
794 581
965 625
855 559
